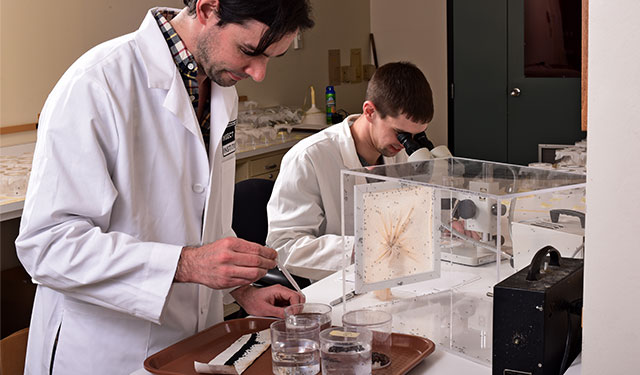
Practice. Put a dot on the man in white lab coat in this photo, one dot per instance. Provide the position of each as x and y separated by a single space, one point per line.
304 209
127 221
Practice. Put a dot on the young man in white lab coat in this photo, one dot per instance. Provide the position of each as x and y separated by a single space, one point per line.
304 209
127 221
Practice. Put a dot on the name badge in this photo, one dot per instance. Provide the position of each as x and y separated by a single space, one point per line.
229 139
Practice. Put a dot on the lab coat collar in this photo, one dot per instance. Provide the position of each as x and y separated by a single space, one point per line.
162 72
158 62
348 146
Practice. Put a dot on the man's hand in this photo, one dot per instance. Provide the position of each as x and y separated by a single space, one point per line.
225 263
458 226
269 301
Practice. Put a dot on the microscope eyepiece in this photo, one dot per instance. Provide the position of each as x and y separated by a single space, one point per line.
422 139
410 144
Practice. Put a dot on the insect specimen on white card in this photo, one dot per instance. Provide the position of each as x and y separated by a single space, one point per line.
394 233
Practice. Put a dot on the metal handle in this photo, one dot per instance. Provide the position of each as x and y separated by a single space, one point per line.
555 215
538 258
515 92
270 166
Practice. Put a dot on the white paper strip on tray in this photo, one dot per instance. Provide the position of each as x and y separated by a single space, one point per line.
239 356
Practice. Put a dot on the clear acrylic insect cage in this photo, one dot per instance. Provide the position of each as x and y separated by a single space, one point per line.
430 239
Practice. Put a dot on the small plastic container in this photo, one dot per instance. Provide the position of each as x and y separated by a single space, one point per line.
379 323
345 351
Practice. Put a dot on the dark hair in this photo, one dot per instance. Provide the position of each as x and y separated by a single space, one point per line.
401 88
281 16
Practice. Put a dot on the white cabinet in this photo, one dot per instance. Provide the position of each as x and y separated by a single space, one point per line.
265 166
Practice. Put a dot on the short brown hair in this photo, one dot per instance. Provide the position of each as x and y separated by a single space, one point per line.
401 88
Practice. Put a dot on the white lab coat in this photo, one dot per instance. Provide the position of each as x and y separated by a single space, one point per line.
120 183
304 209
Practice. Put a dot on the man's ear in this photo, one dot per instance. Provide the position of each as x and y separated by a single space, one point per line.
207 11
368 110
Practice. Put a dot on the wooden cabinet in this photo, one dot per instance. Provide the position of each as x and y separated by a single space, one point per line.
264 162
264 166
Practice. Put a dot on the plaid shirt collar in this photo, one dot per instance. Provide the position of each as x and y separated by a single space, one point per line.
184 60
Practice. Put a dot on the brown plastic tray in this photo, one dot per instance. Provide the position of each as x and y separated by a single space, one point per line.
406 351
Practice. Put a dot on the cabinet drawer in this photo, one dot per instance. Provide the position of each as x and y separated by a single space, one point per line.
265 165
268 176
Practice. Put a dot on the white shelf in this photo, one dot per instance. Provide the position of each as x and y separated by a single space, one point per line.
10 208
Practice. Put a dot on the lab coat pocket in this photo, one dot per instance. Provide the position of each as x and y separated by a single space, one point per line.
89 326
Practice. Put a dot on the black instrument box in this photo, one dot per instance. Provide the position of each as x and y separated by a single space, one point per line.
536 315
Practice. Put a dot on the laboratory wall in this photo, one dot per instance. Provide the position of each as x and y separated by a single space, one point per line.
612 281
41 38
416 31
